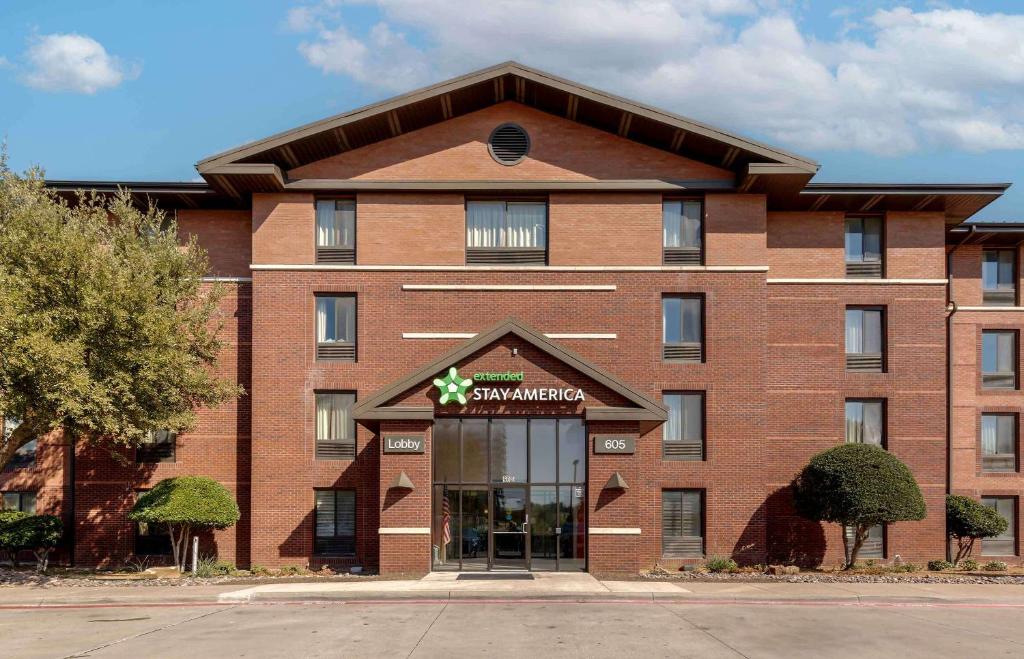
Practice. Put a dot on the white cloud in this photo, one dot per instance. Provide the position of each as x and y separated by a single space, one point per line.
4 62
75 63
903 81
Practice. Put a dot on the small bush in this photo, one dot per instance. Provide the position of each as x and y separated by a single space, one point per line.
259 571
994 566
209 566
907 567
939 566
968 564
721 564
291 570
39 534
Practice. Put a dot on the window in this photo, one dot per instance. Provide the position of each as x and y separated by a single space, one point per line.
336 327
999 359
335 523
682 523
682 222
158 447
682 320
1006 543
151 539
23 501
506 232
999 442
336 231
998 277
25 456
335 427
865 421
865 343
864 247
874 544
683 433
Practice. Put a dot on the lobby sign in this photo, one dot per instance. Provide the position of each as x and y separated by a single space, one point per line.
486 386
614 444
404 444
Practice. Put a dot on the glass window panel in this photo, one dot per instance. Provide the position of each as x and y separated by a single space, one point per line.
525 226
693 212
542 451
335 319
474 450
998 434
672 319
446 450
872 239
854 239
864 422
673 428
572 451
12 501
485 222
872 331
998 352
692 329
508 450
854 331
325 514
672 223
335 223
334 419
1002 544
692 418
997 268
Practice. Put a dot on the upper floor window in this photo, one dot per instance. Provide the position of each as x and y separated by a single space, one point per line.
335 527
25 456
336 231
684 431
865 338
335 427
999 442
159 447
863 247
998 277
865 421
1004 544
23 501
682 231
336 327
682 320
506 232
999 359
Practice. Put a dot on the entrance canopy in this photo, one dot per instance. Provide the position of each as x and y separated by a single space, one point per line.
510 368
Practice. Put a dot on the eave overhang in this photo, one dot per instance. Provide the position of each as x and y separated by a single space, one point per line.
990 234
167 195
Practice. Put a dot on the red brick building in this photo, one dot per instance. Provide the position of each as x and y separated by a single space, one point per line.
510 322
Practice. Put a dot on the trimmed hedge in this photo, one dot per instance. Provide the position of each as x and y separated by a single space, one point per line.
36 533
967 520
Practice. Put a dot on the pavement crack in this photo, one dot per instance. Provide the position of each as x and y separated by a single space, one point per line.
701 629
86 653
429 627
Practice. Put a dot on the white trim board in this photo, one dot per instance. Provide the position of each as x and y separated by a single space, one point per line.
990 309
509 268
876 282
404 530
470 335
239 280
509 287
606 530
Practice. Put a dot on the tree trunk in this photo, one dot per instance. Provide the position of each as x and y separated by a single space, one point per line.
179 544
846 549
42 560
964 548
859 536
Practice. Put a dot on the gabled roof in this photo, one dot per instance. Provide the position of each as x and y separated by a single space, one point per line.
504 82
375 407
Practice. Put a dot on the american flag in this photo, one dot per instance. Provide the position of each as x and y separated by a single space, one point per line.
446 519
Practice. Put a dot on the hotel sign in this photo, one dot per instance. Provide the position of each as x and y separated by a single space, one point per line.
614 444
404 444
487 386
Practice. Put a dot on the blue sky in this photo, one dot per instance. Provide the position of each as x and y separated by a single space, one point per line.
875 91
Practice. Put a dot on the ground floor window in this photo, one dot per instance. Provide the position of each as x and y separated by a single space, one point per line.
682 523
151 539
1004 544
335 528
21 501
874 544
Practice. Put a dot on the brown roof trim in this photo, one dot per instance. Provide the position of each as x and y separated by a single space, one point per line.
507 68
653 185
370 407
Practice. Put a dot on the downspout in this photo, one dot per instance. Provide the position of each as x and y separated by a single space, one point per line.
951 308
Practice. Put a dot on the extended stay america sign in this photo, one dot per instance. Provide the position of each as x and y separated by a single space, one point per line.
487 386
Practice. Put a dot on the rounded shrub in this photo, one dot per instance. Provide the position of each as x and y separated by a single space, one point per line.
994 566
857 485
939 566
721 564
967 520
36 533
8 517
968 564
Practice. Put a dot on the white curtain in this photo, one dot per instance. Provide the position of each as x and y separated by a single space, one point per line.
989 434
335 319
525 225
685 418
334 416
674 423
335 223
854 331
485 222
672 223
863 331
864 422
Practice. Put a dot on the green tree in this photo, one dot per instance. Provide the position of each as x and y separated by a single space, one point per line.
859 486
8 517
183 504
967 520
39 534
108 330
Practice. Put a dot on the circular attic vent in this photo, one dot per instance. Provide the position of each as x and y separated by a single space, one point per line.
508 144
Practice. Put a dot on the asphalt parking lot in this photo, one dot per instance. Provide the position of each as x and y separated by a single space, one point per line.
514 629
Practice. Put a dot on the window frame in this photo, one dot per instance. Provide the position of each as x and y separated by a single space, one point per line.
883 402
151 453
987 377
683 255
702 445
702 511
334 449
1010 529
355 523
986 460
863 361
997 297
483 256
335 254
682 351
863 268
337 351
21 494
137 536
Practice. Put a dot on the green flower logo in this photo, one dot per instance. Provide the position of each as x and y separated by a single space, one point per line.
452 387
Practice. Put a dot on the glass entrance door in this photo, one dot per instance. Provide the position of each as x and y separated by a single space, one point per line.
510 528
